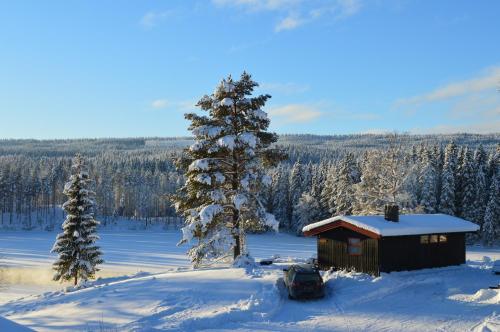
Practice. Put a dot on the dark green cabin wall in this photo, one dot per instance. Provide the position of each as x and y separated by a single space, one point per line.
333 252
402 253
398 253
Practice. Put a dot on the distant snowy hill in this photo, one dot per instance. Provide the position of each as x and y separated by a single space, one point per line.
352 143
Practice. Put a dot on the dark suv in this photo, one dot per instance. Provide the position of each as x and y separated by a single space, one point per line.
303 281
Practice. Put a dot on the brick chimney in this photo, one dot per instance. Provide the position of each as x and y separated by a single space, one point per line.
391 212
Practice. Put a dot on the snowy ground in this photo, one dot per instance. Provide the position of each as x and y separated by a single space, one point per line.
167 295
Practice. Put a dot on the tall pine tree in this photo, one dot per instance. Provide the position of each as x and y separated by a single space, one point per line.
225 170
78 254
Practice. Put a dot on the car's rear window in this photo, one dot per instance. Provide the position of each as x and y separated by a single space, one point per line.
302 277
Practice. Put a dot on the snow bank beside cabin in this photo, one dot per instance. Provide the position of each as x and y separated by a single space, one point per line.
482 296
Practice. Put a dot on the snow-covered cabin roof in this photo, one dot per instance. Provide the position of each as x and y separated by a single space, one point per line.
409 224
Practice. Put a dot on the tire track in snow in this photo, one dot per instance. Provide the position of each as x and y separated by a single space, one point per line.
339 308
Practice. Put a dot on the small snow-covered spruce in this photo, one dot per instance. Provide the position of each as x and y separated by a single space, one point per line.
225 170
78 254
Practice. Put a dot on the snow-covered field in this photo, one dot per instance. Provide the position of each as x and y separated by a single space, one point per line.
168 295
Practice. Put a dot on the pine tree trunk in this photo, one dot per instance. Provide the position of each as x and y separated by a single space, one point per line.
236 213
236 234
76 278
237 249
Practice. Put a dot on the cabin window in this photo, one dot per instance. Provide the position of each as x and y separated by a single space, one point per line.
354 246
434 238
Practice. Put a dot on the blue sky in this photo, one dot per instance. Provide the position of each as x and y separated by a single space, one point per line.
133 68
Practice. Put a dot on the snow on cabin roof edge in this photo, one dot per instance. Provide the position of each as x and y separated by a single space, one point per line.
409 224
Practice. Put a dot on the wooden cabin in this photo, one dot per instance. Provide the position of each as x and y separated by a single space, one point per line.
374 244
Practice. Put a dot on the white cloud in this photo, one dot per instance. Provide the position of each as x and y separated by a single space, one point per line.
159 103
348 7
471 105
488 81
296 12
294 113
484 127
307 112
152 18
258 5
338 9
482 104
288 23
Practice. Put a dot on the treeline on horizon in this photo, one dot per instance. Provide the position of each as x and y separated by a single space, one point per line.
329 144
324 176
